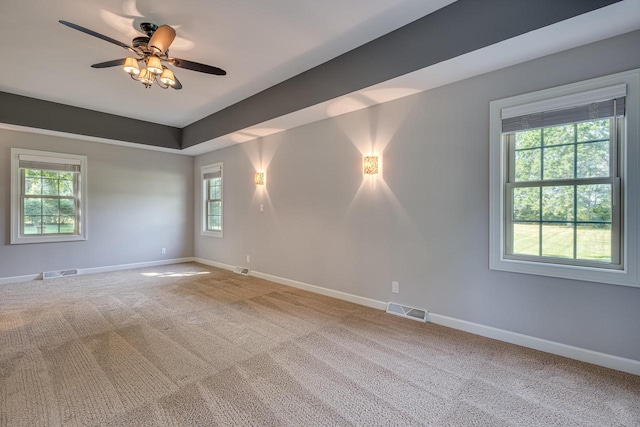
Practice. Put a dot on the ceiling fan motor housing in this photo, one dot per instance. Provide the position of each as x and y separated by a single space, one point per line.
148 28
140 42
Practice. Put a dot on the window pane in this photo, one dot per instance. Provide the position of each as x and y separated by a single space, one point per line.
528 139
66 188
67 207
66 176
559 135
594 202
527 165
32 186
558 162
67 224
50 224
526 238
50 187
33 206
214 223
215 208
50 207
31 225
557 203
33 173
593 159
557 240
215 188
589 131
526 204
594 242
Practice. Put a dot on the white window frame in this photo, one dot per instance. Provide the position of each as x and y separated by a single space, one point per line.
214 167
550 99
17 238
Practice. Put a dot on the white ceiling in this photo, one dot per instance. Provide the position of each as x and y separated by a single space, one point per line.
259 44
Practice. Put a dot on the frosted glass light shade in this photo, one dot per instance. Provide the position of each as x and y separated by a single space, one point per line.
145 77
371 165
258 178
131 66
154 65
167 77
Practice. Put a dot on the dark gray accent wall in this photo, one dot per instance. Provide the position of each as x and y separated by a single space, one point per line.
461 27
35 113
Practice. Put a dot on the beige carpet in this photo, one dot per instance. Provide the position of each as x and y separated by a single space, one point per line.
192 345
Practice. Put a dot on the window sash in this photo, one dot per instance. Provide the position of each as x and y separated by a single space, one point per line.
212 206
75 198
616 263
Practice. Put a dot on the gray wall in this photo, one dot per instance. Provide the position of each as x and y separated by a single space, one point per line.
424 221
139 202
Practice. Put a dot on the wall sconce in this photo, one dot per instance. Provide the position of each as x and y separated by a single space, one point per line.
371 165
258 178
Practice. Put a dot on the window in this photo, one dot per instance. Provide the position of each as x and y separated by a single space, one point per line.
212 200
48 197
562 193
563 186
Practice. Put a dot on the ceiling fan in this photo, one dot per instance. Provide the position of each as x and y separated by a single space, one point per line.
153 51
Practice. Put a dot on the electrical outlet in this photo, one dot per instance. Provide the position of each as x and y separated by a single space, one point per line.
395 287
163 251
248 259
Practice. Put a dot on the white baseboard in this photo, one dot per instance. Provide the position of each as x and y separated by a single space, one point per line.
131 266
18 279
301 285
589 356
323 291
94 270
214 263
596 358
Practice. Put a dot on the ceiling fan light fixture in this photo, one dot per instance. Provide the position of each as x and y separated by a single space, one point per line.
145 77
152 50
167 77
154 65
131 66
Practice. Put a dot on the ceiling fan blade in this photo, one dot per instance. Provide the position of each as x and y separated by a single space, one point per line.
162 38
194 66
178 85
98 35
107 64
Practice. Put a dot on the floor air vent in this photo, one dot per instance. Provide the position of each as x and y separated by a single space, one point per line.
408 312
241 270
61 273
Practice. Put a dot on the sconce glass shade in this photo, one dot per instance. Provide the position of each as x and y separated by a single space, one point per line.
154 65
131 66
167 77
258 178
145 77
371 165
